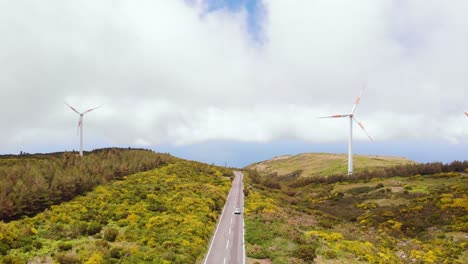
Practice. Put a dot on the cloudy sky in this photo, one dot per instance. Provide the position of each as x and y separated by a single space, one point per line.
235 81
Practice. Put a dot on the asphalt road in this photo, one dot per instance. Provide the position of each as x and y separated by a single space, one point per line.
227 245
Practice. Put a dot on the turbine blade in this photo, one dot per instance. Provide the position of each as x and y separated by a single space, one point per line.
334 116
356 102
363 129
89 110
74 110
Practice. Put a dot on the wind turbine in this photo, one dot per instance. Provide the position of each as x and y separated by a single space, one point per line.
466 114
80 124
350 139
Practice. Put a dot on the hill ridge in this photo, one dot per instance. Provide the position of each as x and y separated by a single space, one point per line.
324 164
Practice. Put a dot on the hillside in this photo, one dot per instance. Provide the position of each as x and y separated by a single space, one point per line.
413 213
164 215
324 164
30 183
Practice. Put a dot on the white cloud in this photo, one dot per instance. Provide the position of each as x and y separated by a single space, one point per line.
169 72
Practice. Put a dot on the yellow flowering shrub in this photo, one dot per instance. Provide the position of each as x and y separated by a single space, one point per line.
96 258
330 236
257 203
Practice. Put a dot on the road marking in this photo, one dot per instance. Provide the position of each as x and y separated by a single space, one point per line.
224 260
217 226
231 220
227 244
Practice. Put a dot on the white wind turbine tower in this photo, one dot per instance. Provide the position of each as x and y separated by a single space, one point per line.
80 124
350 139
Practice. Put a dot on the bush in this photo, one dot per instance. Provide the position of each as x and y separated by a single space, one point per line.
115 252
64 246
110 234
83 228
37 244
330 254
156 207
94 228
68 258
13 260
101 244
3 248
22 241
306 252
257 251
360 189
272 184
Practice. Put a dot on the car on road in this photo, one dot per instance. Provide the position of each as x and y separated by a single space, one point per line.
237 210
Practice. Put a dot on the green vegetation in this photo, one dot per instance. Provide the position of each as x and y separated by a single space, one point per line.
323 164
390 215
166 215
31 183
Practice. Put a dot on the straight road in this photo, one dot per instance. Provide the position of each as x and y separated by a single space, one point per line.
227 245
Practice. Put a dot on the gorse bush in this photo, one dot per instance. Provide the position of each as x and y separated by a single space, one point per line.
110 234
32 183
94 228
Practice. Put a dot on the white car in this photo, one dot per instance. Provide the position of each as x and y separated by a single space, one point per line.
237 210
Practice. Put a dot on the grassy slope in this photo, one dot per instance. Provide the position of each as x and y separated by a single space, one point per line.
323 164
166 215
418 219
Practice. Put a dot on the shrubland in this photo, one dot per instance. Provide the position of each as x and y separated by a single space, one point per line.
412 213
31 183
164 215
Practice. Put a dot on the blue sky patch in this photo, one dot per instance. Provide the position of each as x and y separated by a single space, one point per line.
255 13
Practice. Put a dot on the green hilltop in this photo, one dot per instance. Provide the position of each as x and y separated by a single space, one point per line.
324 164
